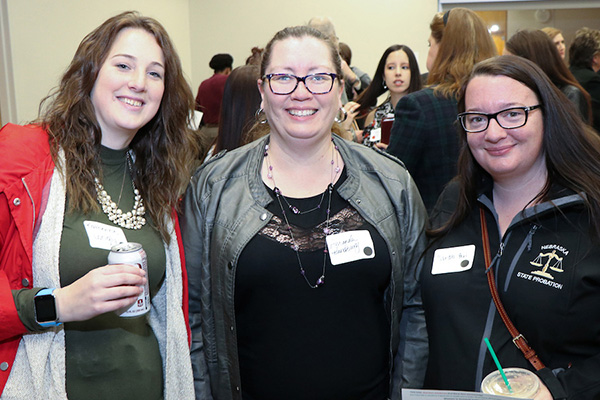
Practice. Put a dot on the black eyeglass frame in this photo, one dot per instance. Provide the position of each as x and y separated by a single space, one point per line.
301 79
461 117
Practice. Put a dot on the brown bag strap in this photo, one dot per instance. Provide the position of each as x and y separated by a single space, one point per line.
518 339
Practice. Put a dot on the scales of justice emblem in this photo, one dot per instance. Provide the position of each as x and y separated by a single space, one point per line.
553 262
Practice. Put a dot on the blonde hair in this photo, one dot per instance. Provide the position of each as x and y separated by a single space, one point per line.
551 32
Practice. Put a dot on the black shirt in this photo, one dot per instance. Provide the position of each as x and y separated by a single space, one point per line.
296 342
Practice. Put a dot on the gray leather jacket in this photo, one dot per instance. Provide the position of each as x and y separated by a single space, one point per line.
224 208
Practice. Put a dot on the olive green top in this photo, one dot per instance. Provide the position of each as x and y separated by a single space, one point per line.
107 357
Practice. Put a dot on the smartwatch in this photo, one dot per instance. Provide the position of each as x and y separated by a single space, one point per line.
44 305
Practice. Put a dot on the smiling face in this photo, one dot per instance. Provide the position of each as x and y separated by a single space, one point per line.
506 154
300 114
559 42
397 72
129 87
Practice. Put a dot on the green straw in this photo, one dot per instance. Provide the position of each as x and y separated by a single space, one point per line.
489 346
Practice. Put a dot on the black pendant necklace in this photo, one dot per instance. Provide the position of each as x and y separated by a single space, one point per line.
327 230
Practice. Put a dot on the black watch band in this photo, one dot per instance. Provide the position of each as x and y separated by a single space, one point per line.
44 305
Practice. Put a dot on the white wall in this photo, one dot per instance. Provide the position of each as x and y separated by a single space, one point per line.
39 37
368 27
44 35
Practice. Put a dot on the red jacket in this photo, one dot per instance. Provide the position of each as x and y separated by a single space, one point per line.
26 167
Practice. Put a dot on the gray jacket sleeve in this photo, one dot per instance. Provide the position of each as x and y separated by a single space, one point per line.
410 361
194 239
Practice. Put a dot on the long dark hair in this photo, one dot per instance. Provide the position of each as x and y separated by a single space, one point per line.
537 46
571 148
164 148
368 98
241 100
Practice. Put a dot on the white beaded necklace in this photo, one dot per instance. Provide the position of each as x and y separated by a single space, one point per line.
133 219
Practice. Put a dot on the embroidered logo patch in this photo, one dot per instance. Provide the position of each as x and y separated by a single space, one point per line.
547 266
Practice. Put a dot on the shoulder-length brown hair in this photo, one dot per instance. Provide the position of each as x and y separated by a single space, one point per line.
463 41
164 149
571 148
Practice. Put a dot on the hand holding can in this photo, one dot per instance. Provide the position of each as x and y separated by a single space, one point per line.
134 254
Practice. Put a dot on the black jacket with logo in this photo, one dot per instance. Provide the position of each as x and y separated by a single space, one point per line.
547 268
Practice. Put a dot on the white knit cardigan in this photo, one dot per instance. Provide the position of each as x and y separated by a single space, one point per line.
38 372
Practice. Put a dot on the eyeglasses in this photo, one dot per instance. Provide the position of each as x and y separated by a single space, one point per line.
320 83
510 118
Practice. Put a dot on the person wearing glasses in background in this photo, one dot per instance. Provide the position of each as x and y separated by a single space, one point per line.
529 167
302 250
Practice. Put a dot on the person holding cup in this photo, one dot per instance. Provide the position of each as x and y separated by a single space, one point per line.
106 162
530 169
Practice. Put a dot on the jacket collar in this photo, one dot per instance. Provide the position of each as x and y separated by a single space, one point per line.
257 187
560 197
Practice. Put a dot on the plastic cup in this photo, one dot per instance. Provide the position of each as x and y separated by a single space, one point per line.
524 383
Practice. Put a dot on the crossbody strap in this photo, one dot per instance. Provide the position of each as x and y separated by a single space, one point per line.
518 339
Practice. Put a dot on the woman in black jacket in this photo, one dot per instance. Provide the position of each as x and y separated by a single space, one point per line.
532 166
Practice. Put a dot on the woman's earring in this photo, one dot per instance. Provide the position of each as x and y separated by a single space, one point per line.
258 115
339 119
385 86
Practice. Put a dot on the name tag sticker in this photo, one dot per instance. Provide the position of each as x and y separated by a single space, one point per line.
453 259
375 135
350 246
102 236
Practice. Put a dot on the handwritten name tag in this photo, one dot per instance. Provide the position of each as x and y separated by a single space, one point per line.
453 259
350 246
102 236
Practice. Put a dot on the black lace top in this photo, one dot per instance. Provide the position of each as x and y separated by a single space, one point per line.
296 342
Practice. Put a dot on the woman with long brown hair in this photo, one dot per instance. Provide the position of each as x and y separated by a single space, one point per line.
536 46
105 162
424 135
528 186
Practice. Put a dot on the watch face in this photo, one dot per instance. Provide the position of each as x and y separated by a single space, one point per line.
45 309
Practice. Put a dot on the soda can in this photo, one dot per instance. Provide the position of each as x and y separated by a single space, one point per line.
133 254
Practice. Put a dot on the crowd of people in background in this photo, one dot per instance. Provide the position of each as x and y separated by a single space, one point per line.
323 233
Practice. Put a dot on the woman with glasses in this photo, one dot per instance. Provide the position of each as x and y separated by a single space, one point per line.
302 250
529 172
